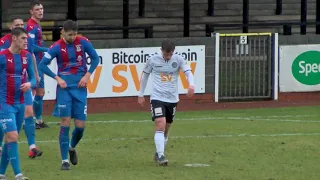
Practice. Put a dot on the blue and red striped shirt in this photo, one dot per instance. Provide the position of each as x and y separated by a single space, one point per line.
13 70
35 32
71 60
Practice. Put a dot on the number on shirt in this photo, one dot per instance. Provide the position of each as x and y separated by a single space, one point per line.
85 110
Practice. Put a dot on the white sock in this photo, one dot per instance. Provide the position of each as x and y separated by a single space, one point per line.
66 160
32 146
159 142
71 148
39 121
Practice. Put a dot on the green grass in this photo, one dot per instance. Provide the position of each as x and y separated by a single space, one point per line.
270 144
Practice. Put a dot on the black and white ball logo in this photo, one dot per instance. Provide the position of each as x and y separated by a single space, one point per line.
174 64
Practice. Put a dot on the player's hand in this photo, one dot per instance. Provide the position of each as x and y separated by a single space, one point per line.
61 82
190 91
84 81
141 101
25 87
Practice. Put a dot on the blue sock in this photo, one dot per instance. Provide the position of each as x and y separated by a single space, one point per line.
29 129
76 136
1 136
38 106
64 142
13 155
4 160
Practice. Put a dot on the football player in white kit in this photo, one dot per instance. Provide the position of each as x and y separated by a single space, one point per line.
165 68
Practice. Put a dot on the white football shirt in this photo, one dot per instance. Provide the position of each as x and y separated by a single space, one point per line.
165 75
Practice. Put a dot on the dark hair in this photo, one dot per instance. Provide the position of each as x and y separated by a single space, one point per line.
167 45
34 3
70 25
18 31
13 18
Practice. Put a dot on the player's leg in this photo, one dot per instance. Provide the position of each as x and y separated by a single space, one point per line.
63 110
5 117
166 134
29 127
9 126
38 103
158 116
79 113
171 110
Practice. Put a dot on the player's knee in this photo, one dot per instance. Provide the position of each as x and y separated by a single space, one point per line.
65 121
12 136
40 92
160 124
34 92
79 124
28 111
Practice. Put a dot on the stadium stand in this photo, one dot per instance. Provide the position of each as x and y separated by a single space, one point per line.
167 16
54 13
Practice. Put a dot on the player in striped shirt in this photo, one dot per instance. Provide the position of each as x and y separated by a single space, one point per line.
15 63
165 68
34 30
29 129
72 79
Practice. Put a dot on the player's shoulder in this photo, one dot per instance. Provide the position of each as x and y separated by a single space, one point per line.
56 44
30 25
4 52
179 58
5 38
81 40
3 55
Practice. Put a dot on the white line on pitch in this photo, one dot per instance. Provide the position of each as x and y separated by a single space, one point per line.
253 118
189 137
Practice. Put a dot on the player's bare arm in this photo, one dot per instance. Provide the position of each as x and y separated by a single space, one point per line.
143 84
188 73
84 80
144 80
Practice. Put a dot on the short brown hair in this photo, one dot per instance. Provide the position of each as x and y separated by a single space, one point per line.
18 31
167 45
34 3
70 25
13 18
